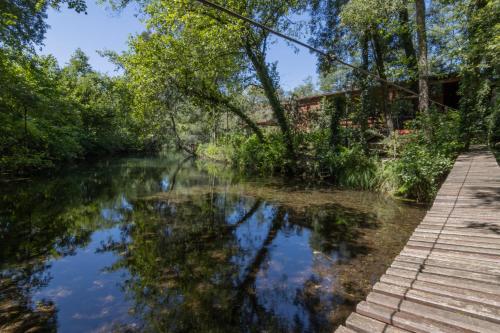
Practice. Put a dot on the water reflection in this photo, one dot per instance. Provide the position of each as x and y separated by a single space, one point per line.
168 244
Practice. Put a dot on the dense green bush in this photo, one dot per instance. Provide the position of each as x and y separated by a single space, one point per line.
345 166
261 157
494 127
423 158
216 152
354 169
416 173
247 153
349 167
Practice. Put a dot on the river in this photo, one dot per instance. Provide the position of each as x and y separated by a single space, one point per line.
166 244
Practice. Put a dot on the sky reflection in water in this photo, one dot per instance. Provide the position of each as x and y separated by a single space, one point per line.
162 244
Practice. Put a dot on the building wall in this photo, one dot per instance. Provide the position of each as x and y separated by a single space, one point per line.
442 91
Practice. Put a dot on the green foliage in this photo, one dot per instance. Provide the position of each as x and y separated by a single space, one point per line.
248 153
354 169
494 127
348 167
103 104
480 69
416 173
266 157
51 115
216 152
38 125
422 162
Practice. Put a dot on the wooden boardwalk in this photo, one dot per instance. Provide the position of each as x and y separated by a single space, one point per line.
447 278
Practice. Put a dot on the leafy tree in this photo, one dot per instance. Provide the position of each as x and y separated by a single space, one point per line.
39 127
50 115
210 56
101 101
480 69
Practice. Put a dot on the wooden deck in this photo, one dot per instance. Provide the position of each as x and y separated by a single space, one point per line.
447 277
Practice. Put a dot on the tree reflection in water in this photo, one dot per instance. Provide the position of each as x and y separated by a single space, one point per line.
193 250
192 270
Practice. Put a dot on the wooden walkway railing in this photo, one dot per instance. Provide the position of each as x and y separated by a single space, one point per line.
447 277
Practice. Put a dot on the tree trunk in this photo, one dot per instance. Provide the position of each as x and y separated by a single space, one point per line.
406 43
423 67
179 143
219 99
225 102
337 111
25 127
249 122
363 83
265 79
379 61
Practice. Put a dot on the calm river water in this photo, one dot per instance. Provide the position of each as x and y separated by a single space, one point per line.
173 245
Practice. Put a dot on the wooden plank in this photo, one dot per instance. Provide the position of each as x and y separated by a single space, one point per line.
447 277
471 238
455 242
446 280
447 272
479 228
452 318
481 311
466 265
446 290
343 329
455 253
493 253
404 320
364 324
456 222
459 232
450 256
476 228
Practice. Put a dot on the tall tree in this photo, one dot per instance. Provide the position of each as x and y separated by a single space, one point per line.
172 66
406 40
375 19
423 65
480 70
329 33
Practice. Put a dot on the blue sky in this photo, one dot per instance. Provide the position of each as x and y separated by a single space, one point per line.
103 29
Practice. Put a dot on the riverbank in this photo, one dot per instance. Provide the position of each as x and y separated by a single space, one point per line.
412 166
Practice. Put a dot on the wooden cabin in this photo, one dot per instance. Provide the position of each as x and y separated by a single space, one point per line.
442 90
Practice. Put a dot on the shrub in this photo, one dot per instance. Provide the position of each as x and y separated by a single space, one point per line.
423 158
416 173
494 127
353 168
262 157
216 152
